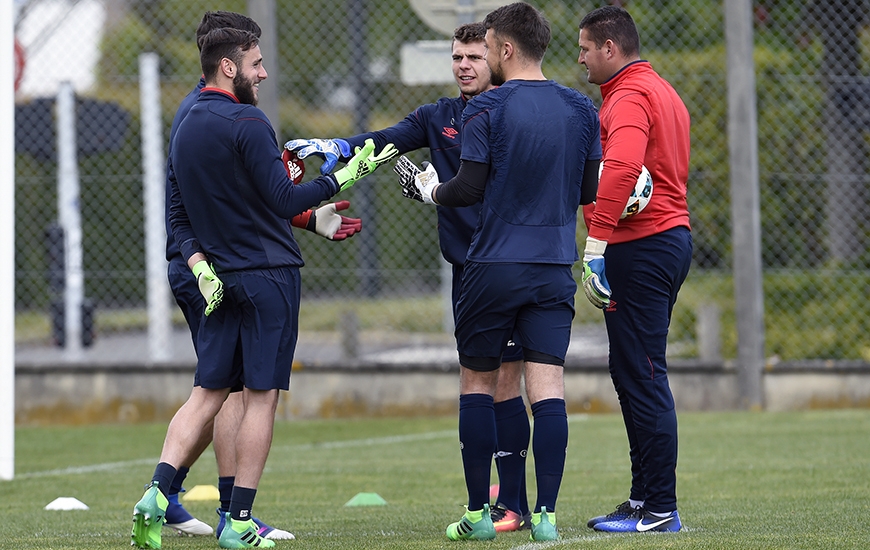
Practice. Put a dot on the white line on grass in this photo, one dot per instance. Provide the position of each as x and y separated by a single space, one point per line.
390 439
367 442
557 543
364 442
108 466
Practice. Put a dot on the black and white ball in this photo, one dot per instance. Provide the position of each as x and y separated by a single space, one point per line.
640 196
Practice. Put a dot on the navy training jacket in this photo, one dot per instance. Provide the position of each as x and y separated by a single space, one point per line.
231 197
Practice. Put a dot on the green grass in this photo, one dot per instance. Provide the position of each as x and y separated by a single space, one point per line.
745 480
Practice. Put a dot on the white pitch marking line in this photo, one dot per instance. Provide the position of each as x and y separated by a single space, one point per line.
108 466
560 542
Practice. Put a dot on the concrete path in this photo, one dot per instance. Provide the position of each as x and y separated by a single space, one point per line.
313 349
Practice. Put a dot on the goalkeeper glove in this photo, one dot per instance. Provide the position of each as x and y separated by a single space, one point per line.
326 222
595 283
211 288
331 150
407 170
363 163
426 182
294 166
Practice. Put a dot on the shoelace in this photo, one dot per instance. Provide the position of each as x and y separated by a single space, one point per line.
624 508
638 513
498 513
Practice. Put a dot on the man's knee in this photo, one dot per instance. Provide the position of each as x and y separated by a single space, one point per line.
510 377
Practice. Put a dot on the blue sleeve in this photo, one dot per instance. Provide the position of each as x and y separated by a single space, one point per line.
179 222
475 138
595 147
407 135
261 157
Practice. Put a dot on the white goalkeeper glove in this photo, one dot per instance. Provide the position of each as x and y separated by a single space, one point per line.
427 181
407 172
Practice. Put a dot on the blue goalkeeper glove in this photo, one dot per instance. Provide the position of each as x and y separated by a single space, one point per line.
595 283
211 288
363 163
331 150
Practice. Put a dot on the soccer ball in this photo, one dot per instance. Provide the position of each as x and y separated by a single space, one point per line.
641 194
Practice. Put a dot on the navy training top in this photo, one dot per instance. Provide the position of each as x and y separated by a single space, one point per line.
536 136
436 126
172 251
232 197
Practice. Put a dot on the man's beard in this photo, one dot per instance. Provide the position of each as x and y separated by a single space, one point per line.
244 90
497 77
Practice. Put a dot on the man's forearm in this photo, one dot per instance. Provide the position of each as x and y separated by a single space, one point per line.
466 188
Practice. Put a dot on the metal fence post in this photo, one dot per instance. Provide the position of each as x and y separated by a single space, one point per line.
745 201
154 193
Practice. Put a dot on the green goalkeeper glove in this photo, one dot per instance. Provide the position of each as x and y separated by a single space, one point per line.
211 288
363 163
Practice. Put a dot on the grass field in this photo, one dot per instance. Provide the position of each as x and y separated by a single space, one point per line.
745 480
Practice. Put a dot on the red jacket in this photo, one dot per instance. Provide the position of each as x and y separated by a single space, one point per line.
643 122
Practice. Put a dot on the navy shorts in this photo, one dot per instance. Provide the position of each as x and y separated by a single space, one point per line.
190 301
533 302
186 293
251 337
513 351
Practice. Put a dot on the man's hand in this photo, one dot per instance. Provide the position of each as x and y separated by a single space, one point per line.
326 222
407 170
363 163
211 288
595 283
426 182
331 150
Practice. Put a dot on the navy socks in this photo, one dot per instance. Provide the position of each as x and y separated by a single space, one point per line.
164 473
477 442
512 428
549 443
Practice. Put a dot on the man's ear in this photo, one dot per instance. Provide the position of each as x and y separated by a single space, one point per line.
228 68
507 50
609 48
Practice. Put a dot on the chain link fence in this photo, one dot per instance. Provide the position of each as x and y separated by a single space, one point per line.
338 72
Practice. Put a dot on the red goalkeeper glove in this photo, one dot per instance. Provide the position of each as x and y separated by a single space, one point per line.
294 165
328 223
325 221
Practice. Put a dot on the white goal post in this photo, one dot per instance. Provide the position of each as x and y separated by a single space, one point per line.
7 246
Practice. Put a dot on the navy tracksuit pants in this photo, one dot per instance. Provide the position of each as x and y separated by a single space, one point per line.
645 276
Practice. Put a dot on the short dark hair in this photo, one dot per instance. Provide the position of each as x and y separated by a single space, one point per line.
225 20
470 33
612 23
524 25
224 43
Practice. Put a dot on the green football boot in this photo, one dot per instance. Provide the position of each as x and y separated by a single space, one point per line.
242 534
148 517
544 526
474 525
